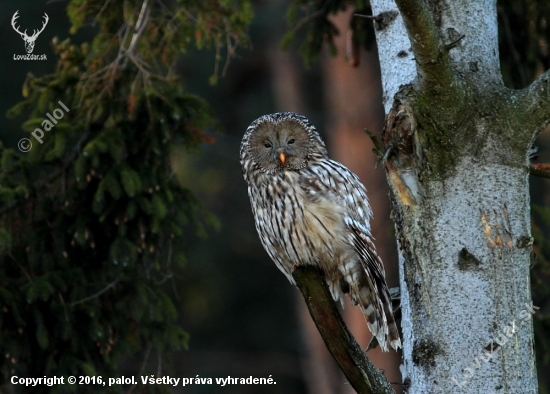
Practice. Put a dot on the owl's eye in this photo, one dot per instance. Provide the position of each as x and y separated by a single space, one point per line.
291 141
267 145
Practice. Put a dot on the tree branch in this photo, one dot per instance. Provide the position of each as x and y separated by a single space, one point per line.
541 170
433 64
361 373
534 102
100 292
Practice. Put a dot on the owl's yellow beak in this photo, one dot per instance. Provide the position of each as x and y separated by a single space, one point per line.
282 158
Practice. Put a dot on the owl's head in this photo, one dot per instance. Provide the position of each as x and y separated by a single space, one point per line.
281 141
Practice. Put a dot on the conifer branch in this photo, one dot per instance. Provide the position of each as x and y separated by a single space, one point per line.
100 292
52 176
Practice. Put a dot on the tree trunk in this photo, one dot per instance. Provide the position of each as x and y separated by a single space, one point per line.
456 160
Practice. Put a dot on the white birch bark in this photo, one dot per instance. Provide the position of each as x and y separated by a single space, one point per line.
465 237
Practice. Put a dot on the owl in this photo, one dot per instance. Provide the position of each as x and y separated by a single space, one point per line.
311 210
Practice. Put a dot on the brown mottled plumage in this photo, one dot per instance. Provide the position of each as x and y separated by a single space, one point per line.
309 209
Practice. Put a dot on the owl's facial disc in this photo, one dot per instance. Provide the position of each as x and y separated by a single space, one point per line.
280 146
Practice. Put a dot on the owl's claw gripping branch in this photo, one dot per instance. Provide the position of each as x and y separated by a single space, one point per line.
362 374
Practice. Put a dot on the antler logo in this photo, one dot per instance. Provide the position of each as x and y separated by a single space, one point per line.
29 40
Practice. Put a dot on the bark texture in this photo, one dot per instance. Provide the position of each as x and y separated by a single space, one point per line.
457 142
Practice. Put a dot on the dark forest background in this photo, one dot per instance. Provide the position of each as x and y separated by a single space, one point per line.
234 313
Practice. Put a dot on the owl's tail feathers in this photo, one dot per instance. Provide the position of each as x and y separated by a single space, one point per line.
368 288
374 301
393 334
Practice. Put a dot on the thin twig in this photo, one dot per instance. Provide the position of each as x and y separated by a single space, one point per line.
454 43
159 361
230 54
376 18
103 8
141 24
142 369
540 170
307 18
21 267
99 293
64 306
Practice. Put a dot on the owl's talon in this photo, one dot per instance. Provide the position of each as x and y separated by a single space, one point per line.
395 293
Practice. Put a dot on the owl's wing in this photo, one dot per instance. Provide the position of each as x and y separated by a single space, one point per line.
380 316
332 180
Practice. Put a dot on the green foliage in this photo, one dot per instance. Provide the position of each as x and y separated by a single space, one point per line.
314 18
91 221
